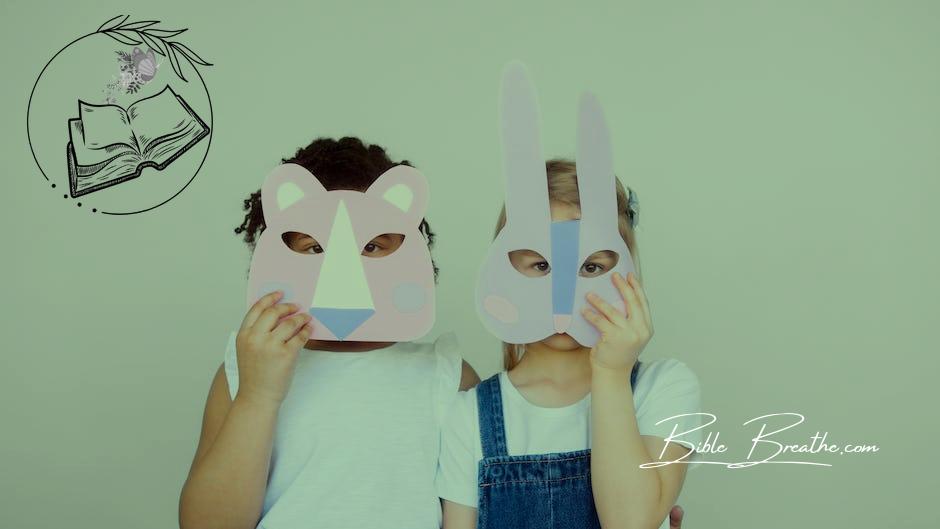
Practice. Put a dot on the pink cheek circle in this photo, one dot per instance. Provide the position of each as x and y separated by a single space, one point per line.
501 309
408 298
271 286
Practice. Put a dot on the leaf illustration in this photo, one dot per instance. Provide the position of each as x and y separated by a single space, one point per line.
130 34
143 32
121 38
140 25
163 33
190 54
190 61
102 26
175 63
154 44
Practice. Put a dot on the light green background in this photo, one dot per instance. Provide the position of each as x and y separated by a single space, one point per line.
785 155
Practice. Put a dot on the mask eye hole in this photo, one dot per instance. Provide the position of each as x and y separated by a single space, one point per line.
301 242
529 263
599 263
383 245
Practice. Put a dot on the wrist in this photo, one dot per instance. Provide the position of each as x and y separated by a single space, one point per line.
599 367
256 401
607 377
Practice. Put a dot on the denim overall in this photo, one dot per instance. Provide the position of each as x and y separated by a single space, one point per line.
538 491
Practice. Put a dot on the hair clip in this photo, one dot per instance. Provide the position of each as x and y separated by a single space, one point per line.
633 208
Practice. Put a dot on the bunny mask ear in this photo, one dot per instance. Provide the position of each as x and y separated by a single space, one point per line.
596 180
600 229
504 297
351 293
523 162
524 308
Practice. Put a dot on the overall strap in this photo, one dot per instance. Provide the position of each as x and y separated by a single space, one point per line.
490 411
633 374
490 408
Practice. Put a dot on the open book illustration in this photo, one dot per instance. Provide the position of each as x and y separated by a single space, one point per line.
109 145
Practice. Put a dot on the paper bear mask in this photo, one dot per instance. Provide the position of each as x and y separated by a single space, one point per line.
520 309
351 296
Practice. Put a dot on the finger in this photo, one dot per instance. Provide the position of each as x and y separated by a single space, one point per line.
269 318
602 324
298 340
263 303
609 311
287 327
675 517
641 295
631 304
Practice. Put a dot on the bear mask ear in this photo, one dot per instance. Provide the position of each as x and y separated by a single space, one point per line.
286 185
405 188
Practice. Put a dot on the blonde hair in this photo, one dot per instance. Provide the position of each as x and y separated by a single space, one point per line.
563 188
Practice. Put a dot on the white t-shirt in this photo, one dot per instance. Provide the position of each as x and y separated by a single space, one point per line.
358 437
664 388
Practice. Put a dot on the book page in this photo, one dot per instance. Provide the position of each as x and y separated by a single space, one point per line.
86 156
112 170
106 125
157 117
169 146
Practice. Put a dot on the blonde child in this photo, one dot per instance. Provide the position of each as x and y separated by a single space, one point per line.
558 438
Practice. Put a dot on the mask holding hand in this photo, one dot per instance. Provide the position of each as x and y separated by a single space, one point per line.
353 292
521 309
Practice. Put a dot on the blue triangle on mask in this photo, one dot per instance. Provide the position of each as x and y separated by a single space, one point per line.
341 322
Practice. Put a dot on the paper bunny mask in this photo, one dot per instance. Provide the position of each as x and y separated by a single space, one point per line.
520 309
351 296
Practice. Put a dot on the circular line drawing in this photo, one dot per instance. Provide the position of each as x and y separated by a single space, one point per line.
142 33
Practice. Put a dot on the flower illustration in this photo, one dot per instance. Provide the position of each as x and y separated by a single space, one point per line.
136 68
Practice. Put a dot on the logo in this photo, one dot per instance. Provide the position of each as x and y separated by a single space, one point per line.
119 121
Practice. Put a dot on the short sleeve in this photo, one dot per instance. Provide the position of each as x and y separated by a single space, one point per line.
456 478
449 367
672 401
231 366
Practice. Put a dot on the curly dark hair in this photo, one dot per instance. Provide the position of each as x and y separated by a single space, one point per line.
346 163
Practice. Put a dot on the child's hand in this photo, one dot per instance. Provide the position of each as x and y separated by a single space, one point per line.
267 347
622 336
